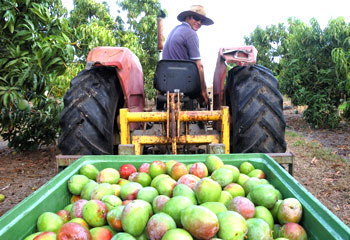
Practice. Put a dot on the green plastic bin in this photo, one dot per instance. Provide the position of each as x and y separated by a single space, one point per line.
318 221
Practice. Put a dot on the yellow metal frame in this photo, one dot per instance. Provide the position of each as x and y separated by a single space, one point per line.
127 117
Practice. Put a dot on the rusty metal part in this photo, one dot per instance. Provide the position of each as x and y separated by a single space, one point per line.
167 115
242 56
178 112
216 148
174 118
154 140
126 149
173 124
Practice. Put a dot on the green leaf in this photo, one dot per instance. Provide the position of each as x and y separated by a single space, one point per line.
53 61
12 63
22 33
29 24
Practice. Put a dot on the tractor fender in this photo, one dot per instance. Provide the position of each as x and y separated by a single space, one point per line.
242 56
129 71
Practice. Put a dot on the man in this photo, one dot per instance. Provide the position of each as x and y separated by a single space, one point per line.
183 43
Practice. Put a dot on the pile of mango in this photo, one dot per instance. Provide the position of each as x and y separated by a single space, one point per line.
171 200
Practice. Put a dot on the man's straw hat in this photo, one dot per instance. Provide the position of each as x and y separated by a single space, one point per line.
196 10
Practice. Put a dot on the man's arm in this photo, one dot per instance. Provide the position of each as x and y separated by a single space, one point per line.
203 85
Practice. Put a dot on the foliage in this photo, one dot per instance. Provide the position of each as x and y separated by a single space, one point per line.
30 129
313 67
141 36
41 50
91 26
269 44
34 50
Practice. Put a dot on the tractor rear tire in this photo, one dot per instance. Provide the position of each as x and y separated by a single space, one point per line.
256 108
91 106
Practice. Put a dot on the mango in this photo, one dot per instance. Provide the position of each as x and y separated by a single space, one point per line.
77 209
49 222
135 217
177 234
157 178
114 218
243 206
234 170
213 163
175 205
207 190
242 178
147 194
89 171
258 229
290 210
189 179
257 173
108 175
159 202
223 176
225 197
46 236
199 169
215 207
100 233
246 167
184 190
142 178
72 230
200 222
111 201
293 231
250 184
178 170
156 168
94 213
232 225
264 214
81 222
76 183
123 236
158 225
87 190
264 195
101 190
165 186
129 191
235 190
169 164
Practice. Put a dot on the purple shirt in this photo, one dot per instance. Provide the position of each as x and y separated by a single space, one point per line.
182 43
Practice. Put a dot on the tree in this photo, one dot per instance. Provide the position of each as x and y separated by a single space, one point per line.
34 50
141 36
269 43
41 51
309 74
313 67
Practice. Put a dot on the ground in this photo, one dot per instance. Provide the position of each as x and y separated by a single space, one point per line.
321 165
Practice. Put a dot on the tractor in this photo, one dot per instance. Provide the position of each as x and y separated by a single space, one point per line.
104 109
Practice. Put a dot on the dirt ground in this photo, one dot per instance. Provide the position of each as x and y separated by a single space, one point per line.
326 175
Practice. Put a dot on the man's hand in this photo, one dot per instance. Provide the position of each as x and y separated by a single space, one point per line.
203 85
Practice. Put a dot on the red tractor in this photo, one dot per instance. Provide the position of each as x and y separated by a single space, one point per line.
104 109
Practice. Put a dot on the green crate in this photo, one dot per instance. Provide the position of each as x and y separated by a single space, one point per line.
317 220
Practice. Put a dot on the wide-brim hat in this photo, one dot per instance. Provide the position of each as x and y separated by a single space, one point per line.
196 10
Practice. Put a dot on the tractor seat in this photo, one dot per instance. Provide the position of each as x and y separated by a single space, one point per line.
178 74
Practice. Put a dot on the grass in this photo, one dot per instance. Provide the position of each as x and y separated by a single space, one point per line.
310 148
